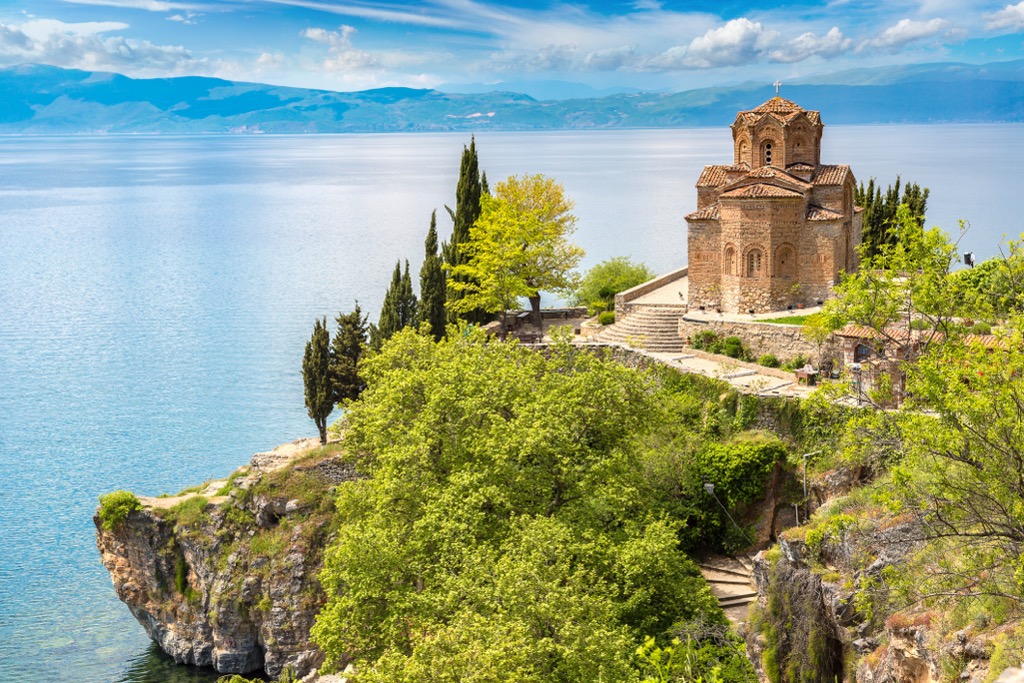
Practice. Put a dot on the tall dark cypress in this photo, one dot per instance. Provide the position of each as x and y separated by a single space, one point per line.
399 308
406 300
316 378
467 210
879 217
347 348
432 285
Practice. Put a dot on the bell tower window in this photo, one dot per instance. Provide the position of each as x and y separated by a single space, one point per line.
767 154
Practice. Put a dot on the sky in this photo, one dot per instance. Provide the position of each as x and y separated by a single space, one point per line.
645 44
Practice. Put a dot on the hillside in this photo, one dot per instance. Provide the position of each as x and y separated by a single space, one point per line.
48 100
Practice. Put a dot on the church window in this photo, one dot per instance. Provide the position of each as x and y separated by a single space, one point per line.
730 260
767 154
754 263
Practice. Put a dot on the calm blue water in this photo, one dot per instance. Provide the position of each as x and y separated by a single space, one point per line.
156 293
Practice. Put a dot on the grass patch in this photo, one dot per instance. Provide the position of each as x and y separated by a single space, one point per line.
230 483
788 319
190 511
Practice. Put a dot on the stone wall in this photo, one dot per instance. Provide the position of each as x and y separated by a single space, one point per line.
624 299
784 341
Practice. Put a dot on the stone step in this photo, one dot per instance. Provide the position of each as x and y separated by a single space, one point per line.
736 601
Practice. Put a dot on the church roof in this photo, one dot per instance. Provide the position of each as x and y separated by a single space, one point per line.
831 174
761 190
708 213
713 176
820 213
780 108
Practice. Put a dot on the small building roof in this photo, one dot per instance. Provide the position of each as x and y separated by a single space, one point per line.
820 213
831 174
762 190
708 213
717 175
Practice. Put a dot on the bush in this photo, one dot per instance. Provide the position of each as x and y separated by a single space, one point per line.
769 360
705 341
602 282
190 511
981 327
115 506
733 347
796 363
606 317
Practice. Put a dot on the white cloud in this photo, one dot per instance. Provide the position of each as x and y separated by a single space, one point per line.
906 31
1010 18
85 46
148 5
806 45
342 56
612 58
647 5
190 18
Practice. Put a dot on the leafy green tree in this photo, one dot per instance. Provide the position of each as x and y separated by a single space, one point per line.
399 308
432 285
599 286
347 348
518 247
316 376
506 529
467 209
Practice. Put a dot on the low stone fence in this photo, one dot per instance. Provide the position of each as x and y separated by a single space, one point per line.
623 299
782 341
740 364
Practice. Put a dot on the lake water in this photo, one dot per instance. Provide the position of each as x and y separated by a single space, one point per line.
156 294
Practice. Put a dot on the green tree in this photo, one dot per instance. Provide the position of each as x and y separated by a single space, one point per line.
347 348
316 376
518 247
467 209
399 308
432 285
880 224
505 530
601 283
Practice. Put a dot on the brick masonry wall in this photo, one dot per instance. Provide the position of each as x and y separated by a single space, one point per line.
783 341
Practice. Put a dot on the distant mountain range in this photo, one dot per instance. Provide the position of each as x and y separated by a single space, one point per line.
48 100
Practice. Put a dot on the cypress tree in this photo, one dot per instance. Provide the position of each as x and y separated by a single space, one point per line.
347 348
432 285
879 218
467 210
399 308
316 377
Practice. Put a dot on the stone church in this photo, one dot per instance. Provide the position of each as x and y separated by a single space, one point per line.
775 228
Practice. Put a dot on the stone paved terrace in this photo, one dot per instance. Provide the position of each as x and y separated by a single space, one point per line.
675 293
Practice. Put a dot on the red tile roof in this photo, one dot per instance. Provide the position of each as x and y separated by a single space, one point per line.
708 213
715 176
761 190
820 213
831 174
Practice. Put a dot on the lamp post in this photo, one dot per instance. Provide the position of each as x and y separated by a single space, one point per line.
710 488
805 456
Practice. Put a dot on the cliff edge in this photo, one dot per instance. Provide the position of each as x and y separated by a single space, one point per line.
226 575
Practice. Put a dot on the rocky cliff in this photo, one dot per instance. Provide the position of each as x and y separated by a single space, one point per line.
827 609
226 576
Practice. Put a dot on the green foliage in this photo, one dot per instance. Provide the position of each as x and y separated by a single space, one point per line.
508 529
115 507
517 247
399 308
190 511
347 348
708 340
471 187
739 469
606 317
769 360
881 226
1008 652
796 362
432 285
790 319
601 283
316 377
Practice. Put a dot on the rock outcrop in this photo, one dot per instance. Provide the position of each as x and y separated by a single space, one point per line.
230 580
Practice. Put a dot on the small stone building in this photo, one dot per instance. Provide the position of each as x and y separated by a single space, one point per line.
776 227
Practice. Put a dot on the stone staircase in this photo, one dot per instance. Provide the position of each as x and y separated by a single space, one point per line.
654 327
731 582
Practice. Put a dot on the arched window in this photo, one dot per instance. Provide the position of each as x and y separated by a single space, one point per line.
730 260
785 262
767 154
755 263
743 152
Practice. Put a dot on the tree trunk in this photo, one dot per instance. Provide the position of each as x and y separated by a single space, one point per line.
321 424
537 318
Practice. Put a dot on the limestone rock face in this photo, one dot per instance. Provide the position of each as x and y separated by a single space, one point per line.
235 586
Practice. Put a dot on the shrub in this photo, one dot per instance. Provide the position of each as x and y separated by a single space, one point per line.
796 362
190 511
733 347
705 340
606 317
740 468
115 506
981 327
769 360
602 282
